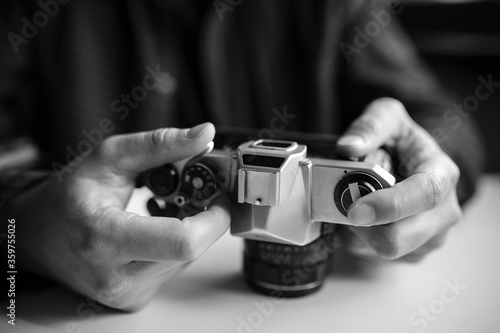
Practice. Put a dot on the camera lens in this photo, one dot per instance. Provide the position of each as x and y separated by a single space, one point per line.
162 181
281 270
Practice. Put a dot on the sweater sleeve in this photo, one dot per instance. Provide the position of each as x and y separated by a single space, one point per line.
381 61
17 152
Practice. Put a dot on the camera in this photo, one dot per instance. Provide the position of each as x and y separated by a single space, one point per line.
285 203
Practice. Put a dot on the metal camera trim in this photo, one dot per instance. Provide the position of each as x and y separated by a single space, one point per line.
278 194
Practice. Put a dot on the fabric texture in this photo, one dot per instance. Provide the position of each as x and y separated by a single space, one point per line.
260 58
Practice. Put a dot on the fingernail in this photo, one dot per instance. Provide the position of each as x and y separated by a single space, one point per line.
210 147
197 131
362 215
351 140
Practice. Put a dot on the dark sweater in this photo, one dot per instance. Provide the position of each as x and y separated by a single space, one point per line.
237 68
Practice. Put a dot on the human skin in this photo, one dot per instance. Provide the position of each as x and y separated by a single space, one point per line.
410 219
77 231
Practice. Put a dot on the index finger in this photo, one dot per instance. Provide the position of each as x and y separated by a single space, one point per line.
136 237
383 122
425 189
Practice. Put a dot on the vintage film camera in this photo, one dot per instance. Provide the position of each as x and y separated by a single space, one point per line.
285 203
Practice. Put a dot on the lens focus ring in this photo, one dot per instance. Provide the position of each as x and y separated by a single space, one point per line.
287 270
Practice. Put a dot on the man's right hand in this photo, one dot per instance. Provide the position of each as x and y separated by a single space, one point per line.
77 231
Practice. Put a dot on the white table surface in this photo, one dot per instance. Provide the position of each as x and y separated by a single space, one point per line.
210 295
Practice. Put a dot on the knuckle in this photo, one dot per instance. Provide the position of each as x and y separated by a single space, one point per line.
96 243
367 124
422 153
434 184
188 248
112 290
454 171
160 137
108 143
394 208
455 214
386 242
395 106
107 150
88 242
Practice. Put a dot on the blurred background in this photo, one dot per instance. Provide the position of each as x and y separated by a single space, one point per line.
460 40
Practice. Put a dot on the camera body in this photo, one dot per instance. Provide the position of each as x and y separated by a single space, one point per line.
278 194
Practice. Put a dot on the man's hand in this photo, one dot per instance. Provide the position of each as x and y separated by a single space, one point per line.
411 218
77 232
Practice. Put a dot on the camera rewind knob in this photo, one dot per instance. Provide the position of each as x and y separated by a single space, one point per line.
353 186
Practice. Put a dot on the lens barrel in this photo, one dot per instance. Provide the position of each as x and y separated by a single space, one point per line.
288 271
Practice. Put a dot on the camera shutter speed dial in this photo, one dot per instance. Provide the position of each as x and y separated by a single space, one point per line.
198 185
353 186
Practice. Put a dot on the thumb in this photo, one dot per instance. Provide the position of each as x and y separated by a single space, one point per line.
383 122
138 152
